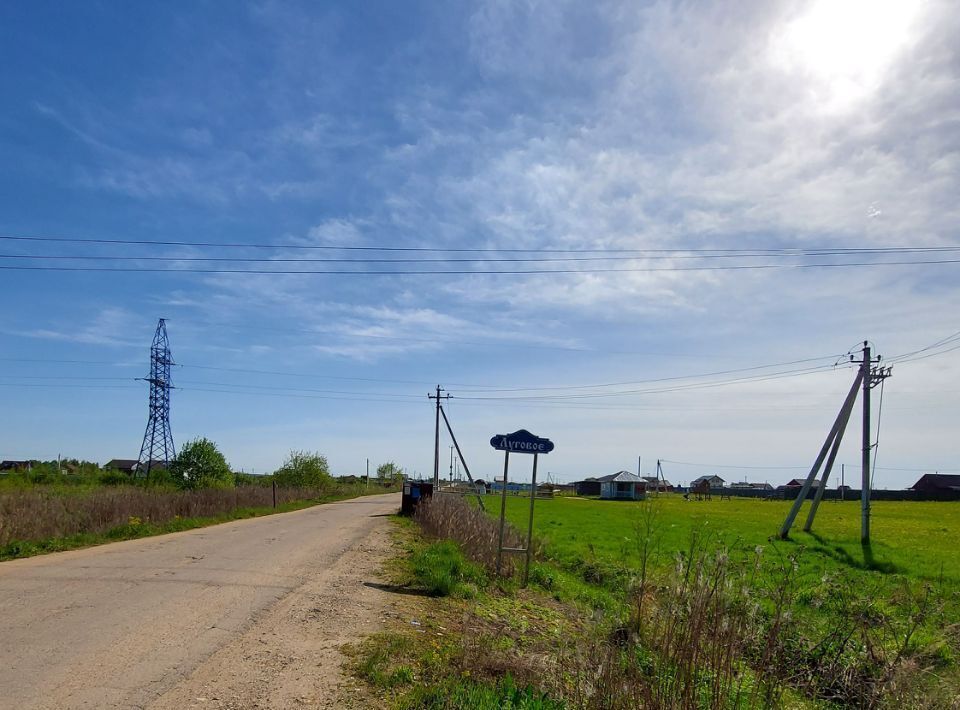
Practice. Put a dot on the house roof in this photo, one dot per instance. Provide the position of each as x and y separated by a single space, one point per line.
707 478
622 477
798 482
657 481
122 464
938 480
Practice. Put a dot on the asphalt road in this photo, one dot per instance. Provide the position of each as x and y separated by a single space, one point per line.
117 626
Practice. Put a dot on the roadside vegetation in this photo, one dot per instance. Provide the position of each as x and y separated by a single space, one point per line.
61 506
676 604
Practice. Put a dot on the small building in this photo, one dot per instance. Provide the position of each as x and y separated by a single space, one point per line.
798 483
712 482
937 483
744 485
587 487
623 485
10 466
512 486
657 484
128 466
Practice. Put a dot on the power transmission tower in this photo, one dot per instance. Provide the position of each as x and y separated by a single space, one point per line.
157 448
436 437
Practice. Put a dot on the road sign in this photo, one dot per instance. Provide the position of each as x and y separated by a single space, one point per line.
521 442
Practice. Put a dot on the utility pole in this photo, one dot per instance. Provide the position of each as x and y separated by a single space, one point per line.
843 486
436 437
451 463
368 473
872 375
865 453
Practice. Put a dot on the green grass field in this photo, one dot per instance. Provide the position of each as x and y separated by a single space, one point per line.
901 593
912 540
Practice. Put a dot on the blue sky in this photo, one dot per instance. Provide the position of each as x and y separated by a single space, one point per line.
492 125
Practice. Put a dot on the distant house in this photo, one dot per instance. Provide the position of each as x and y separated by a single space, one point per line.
512 486
743 485
798 483
657 484
623 485
937 483
7 466
587 487
128 466
712 481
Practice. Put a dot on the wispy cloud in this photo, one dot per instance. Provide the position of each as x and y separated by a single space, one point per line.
113 326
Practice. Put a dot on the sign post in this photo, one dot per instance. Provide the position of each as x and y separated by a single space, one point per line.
521 441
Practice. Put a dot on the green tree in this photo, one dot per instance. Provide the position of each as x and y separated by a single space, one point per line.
389 472
304 469
201 465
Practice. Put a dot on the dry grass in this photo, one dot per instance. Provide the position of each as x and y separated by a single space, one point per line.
41 513
450 517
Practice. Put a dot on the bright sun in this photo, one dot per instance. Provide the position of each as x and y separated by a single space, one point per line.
844 47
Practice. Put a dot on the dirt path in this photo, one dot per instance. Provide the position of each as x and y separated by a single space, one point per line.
248 614
291 657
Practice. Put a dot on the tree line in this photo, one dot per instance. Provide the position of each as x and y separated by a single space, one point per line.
201 465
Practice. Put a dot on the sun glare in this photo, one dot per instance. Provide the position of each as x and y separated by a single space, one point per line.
843 48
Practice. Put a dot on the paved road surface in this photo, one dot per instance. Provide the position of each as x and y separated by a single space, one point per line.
117 626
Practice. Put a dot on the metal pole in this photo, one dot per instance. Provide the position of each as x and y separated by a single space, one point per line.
533 495
865 460
503 510
847 406
436 447
368 474
274 492
842 484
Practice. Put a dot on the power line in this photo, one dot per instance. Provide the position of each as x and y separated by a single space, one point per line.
699 385
470 272
816 251
662 379
679 254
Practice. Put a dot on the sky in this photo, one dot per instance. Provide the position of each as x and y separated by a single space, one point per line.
633 153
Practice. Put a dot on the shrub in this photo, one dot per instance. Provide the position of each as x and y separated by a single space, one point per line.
304 469
201 465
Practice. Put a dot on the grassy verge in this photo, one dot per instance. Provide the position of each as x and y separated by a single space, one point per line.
136 527
465 641
667 607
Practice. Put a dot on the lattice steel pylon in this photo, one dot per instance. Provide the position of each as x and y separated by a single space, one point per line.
157 449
